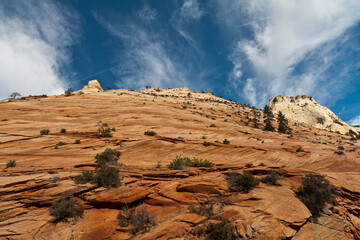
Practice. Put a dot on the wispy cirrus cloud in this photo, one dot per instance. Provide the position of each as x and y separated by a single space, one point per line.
355 121
289 47
191 9
146 57
34 41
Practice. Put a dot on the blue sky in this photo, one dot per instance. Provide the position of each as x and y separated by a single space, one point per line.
248 51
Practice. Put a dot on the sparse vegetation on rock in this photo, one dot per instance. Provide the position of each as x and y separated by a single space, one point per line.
226 141
108 157
69 92
11 163
104 175
105 130
65 208
315 192
206 210
63 130
180 162
150 133
140 221
242 182
15 95
108 177
220 231
272 178
44 132
283 124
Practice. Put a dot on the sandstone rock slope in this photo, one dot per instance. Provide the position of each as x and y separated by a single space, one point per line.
305 110
183 202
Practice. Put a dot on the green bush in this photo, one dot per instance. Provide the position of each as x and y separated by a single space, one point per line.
180 162
11 163
109 156
65 208
203 209
242 183
108 177
220 231
63 130
105 130
140 222
69 92
271 178
85 177
77 141
315 192
206 144
60 143
44 132
150 133
226 141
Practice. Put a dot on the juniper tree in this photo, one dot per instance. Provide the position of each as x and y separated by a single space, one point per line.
283 123
269 117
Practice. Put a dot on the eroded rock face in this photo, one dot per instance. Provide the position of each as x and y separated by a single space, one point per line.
183 120
93 86
305 110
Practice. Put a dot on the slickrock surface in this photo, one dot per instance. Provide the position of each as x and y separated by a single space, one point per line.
306 111
183 120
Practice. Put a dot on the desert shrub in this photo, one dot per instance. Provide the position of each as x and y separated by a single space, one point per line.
271 178
261 165
177 163
158 165
69 92
212 125
300 149
108 177
180 162
242 182
220 231
140 221
206 144
11 163
44 132
65 208
54 179
150 133
105 130
226 141
60 143
315 192
63 130
203 209
195 162
109 156
85 177
77 141
339 152
341 148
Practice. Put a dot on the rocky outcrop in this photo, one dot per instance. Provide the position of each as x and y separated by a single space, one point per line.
93 86
306 111
183 120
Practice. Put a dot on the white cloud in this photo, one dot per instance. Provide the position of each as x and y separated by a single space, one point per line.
284 35
191 9
146 58
147 13
355 121
34 37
